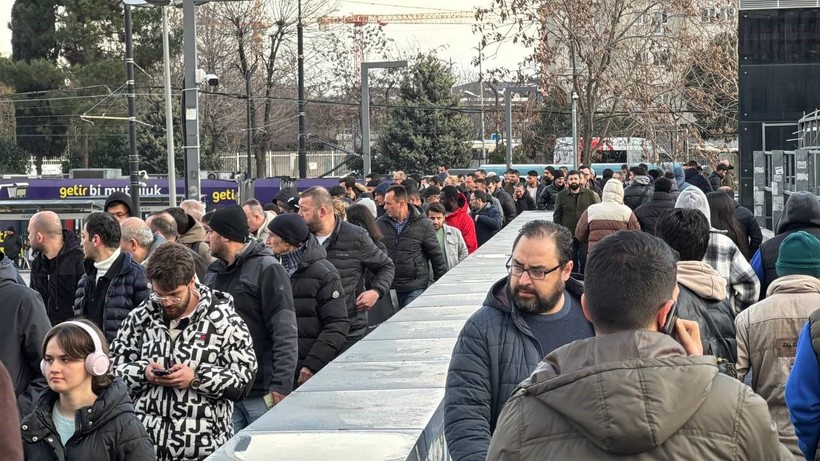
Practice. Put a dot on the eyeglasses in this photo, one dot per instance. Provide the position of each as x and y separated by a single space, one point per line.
119 214
164 299
517 270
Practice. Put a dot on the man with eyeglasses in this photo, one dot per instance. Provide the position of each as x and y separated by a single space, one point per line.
119 205
526 315
185 355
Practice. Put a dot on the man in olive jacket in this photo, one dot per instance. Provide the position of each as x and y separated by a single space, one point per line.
570 204
632 391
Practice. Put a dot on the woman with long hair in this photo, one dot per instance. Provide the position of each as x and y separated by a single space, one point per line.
724 218
86 413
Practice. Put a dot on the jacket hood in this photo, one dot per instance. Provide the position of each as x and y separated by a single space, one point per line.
651 388
613 192
7 269
802 210
702 279
120 197
498 297
680 177
797 284
195 234
693 198
641 180
70 242
313 252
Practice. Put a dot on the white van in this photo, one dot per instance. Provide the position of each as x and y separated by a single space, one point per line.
629 150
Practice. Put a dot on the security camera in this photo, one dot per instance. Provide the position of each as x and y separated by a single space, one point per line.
574 95
212 79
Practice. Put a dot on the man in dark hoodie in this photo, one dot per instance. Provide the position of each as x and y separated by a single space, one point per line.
119 205
802 212
662 201
23 325
694 178
640 188
57 266
526 315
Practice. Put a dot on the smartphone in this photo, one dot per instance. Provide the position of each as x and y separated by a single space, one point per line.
671 320
158 372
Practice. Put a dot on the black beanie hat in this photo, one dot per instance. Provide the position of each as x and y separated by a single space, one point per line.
291 228
230 222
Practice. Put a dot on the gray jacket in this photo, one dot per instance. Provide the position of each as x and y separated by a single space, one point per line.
633 395
455 250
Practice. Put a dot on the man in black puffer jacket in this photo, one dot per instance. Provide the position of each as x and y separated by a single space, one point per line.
640 188
412 245
662 201
318 296
113 283
702 296
351 251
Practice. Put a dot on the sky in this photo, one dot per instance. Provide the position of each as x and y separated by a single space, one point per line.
459 41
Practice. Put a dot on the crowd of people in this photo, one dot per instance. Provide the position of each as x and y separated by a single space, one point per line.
161 338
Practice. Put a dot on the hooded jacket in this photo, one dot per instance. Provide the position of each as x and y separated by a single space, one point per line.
413 251
194 239
649 213
606 218
107 430
802 212
702 294
263 298
680 178
321 313
494 352
23 326
639 192
56 279
635 395
127 290
767 335
187 424
724 256
461 220
120 197
488 221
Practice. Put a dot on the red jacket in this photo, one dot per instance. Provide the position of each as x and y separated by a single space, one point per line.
461 220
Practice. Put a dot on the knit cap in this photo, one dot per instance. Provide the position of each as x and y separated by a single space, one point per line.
291 228
799 255
230 222
369 203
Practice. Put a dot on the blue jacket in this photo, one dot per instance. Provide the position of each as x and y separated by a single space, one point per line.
488 221
127 290
803 395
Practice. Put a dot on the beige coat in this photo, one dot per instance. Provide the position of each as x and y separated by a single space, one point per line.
633 395
767 341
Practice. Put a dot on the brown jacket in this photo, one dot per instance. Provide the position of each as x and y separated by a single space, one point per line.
767 341
606 218
11 443
633 394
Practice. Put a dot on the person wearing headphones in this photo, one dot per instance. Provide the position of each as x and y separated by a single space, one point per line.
86 413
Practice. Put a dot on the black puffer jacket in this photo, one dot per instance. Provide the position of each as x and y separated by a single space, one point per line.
751 226
507 205
546 201
413 251
639 192
717 336
649 213
696 179
321 315
108 430
56 279
127 290
264 299
351 251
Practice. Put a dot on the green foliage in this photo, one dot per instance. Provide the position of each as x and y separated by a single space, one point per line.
108 149
34 26
426 128
15 159
553 120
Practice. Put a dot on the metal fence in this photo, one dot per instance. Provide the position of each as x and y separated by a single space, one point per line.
287 163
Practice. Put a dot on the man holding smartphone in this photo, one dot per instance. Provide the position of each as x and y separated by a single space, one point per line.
631 390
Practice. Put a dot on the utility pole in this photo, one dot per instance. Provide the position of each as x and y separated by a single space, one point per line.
169 119
300 64
191 96
249 134
133 157
575 152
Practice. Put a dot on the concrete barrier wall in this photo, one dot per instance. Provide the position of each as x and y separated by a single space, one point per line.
382 399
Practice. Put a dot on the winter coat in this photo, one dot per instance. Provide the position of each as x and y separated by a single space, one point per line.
412 250
461 220
751 228
56 279
606 218
508 208
10 438
724 256
546 201
263 298
539 189
569 207
352 252
187 424
694 178
195 240
702 293
802 389
455 250
525 203
23 326
715 181
494 352
767 335
107 430
639 192
649 213
802 212
127 290
680 177
321 313
263 232
488 222
633 395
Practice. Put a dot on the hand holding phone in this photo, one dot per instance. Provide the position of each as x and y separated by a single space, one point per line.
671 320
160 372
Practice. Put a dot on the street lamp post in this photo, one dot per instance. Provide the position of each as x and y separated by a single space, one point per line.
366 66
133 157
575 131
300 65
